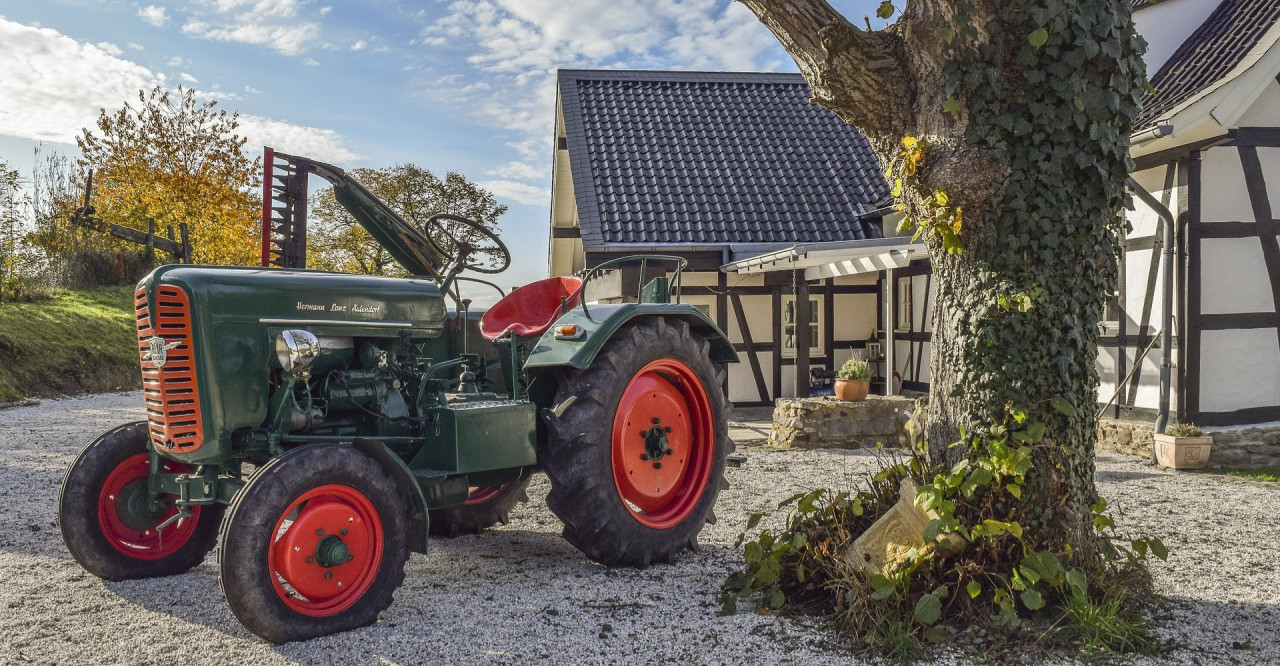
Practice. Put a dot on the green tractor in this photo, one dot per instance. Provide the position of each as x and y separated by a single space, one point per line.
316 427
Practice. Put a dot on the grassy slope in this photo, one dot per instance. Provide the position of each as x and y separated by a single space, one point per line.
79 342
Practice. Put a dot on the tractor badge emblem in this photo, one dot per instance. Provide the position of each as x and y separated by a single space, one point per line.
157 351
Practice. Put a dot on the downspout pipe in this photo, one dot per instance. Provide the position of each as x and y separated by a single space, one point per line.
1166 300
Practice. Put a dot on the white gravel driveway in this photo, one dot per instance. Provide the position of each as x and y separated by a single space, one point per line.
521 594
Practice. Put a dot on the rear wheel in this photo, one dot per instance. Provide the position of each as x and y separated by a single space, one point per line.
109 519
314 544
485 507
636 458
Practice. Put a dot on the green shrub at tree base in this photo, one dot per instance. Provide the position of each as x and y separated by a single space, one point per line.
77 342
1028 598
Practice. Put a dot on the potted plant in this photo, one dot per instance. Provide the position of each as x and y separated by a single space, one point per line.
1183 446
853 380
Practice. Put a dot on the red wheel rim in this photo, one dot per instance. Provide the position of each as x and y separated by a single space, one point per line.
126 519
483 494
664 405
326 550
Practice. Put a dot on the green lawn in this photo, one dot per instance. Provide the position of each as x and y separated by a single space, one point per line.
1257 474
79 342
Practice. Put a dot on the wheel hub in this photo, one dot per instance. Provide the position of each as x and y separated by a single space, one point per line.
135 508
331 552
655 442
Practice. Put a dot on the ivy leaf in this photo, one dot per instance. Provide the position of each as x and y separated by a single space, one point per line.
909 142
885 10
944 34
950 105
1038 37
754 519
974 588
1063 407
1032 599
776 599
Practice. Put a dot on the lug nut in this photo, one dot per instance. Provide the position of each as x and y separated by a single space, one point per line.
343 531
657 465
328 575
657 420
319 532
668 429
310 559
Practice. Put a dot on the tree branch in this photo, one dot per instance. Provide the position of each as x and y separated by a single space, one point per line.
860 75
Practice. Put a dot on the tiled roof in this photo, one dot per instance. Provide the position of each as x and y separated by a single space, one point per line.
693 158
1209 54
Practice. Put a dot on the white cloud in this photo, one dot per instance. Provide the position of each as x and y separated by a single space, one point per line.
311 62
519 192
322 144
110 49
52 86
519 171
188 78
281 25
177 61
135 46
251 90
515 46
154 15
358 46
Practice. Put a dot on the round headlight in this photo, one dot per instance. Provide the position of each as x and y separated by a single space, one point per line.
296 350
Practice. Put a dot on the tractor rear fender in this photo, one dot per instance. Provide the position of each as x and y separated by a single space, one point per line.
416 501
596 324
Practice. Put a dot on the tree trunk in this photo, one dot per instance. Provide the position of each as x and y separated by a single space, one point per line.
1023 109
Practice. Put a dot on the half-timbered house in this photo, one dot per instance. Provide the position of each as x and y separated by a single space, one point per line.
717 167
1207 191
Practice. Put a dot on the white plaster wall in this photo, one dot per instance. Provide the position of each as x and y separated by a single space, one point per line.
742 384
1265 112
855 316
1168 24
759 314
699 278
788 381
1138 262
1142 218
1149 387
1234 277
867 278
925 376
919 317
1223 195
1239 369
1270 160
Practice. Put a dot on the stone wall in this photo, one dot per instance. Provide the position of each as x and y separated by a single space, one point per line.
824 422
1232 447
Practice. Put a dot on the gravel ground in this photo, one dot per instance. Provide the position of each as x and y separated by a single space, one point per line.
521 594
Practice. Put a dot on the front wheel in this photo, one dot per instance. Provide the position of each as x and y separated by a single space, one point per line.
313 545
109 519
637 456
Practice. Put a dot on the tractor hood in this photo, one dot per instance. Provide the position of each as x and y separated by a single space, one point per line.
409 247
405 243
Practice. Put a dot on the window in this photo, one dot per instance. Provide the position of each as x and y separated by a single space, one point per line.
789 327
904 304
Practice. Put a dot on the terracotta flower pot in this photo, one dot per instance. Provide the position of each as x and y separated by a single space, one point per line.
851 390
1183 452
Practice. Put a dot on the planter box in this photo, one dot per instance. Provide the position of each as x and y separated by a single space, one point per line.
1182 452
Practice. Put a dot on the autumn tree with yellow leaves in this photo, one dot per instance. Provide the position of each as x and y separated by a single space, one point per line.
174 159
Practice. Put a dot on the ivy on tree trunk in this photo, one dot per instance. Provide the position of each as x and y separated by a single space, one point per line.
1016 116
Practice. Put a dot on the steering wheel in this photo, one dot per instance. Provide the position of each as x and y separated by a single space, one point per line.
477 248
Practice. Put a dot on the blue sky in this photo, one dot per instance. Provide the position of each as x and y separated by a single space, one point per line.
463 85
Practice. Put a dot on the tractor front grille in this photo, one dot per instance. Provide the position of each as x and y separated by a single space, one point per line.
173 399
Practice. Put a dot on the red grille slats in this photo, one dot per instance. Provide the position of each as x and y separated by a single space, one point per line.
171 394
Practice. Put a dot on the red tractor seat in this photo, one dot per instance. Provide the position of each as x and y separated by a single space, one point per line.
531 309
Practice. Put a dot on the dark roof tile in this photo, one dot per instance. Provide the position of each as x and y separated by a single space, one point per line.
1209 54
713 158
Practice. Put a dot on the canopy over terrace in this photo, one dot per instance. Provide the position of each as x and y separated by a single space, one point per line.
818 261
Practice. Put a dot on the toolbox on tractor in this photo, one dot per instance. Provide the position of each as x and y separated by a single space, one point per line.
316 427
